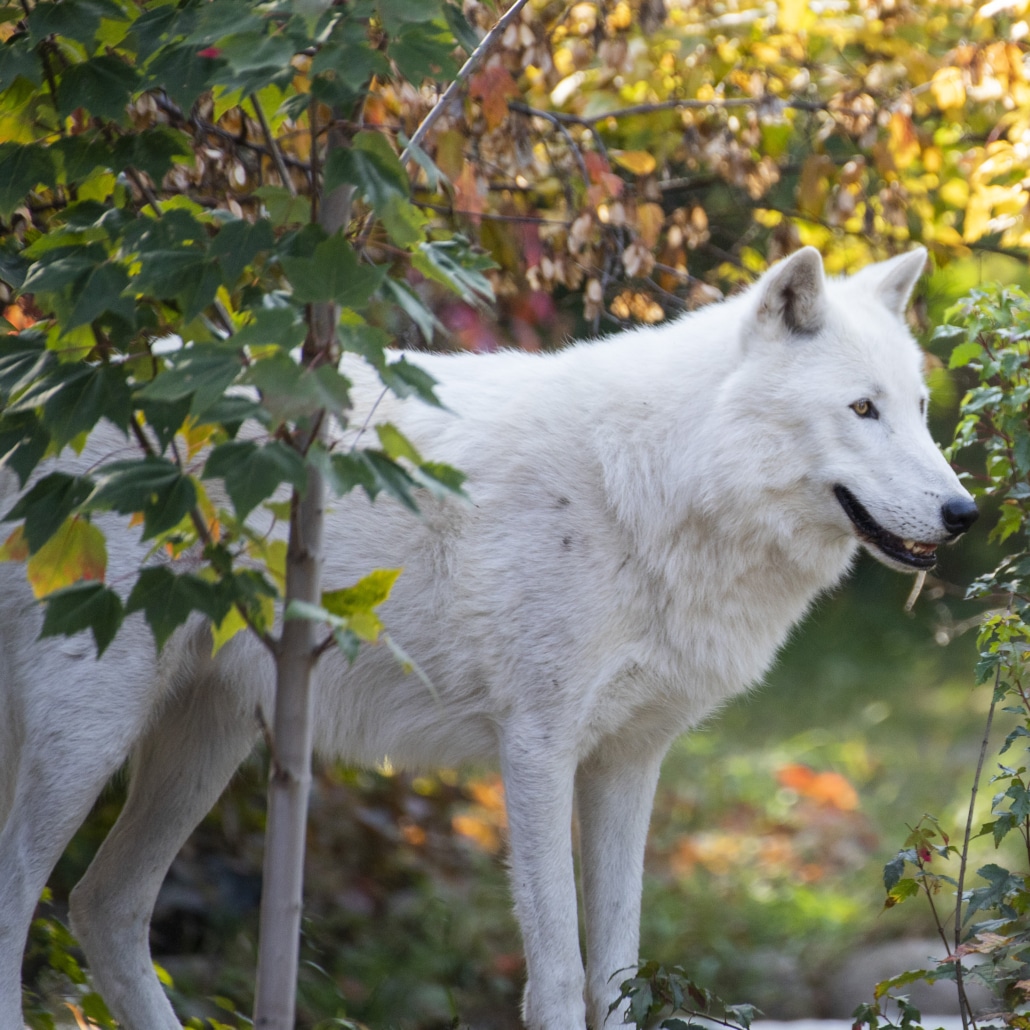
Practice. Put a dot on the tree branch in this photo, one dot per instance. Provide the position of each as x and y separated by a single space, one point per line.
464 72
273 146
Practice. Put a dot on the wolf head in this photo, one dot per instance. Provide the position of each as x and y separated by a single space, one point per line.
845 377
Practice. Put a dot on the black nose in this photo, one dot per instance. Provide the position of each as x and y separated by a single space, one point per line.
959 514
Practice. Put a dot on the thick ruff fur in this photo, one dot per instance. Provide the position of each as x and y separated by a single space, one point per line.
650 516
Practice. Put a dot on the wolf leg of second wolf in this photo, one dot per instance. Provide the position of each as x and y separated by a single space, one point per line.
538 777
614 793
56 784
178 771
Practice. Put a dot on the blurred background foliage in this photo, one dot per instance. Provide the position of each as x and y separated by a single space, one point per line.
622 162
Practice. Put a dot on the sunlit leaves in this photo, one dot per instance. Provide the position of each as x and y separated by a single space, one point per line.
350 612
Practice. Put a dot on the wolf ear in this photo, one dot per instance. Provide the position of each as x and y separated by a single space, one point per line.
792 294
893 280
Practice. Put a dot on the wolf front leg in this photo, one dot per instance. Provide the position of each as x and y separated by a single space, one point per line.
614 793
539 774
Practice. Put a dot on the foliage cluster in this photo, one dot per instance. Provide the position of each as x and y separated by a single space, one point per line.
639 154
991 333
117 264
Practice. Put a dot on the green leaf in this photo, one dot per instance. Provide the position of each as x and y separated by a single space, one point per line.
441 480
77 20
151 150
344 472
24 358
389 476
63 266
283 207
23 443
964 353
370 164
45 507
88 605
165 418
290 391
75 396
284 327
237 244
202 373
405 379
101 292
154 486
253 472
903 890
459 26
168 600
333 273
453 264
892 871
396 444
256 59
423 51
19 59
25 167
406 298
103 85
178 70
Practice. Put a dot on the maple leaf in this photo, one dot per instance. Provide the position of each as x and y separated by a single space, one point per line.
492 87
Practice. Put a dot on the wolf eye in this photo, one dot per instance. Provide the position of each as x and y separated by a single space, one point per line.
865 408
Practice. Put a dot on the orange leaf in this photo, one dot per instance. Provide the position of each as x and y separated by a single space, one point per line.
492 87
468 198
15 547
904 142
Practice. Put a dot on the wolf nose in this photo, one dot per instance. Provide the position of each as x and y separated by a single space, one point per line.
959 514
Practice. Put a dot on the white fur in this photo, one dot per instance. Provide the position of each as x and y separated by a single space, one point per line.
650 516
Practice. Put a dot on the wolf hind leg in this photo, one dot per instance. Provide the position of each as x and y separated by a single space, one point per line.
69 748
178 772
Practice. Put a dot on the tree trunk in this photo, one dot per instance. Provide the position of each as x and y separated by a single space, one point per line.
290 780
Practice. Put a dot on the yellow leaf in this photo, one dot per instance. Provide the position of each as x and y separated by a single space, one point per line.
368 593
77 551
814 184
650 218
226 630
639 162
794 15
948 88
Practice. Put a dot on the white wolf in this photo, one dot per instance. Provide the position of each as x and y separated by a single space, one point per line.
651 515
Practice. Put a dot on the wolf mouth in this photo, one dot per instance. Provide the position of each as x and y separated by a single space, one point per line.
912 553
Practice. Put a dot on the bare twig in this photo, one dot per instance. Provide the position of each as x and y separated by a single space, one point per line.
464 72
273 146
967 1020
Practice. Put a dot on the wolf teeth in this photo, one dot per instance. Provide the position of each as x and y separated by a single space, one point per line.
917 548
